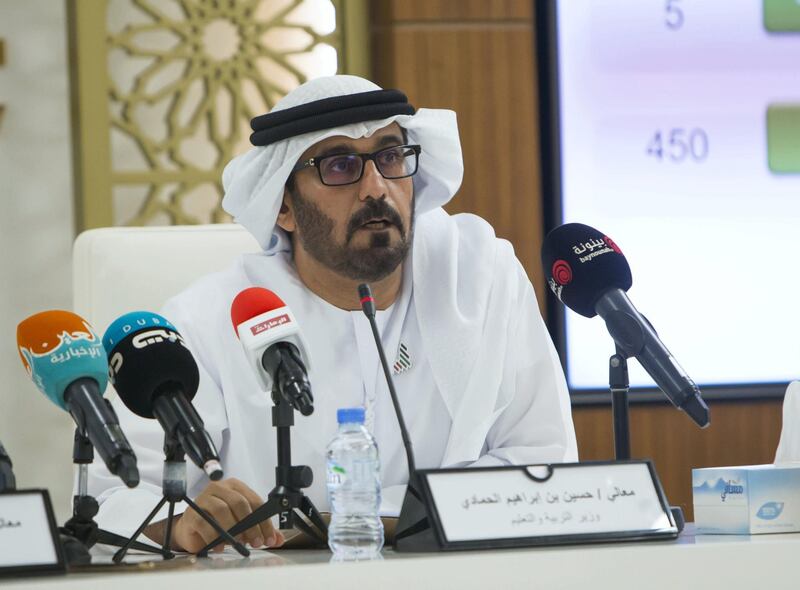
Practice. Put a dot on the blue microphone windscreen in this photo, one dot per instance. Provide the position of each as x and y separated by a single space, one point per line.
130 323
58 347
147 357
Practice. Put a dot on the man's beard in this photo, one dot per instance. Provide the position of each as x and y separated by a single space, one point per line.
371 263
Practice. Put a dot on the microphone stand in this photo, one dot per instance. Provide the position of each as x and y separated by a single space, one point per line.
174 490
620 386
414 530
82 525
286 498
76 550
7 481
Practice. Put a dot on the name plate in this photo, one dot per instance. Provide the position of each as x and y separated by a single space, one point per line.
29 541
549 504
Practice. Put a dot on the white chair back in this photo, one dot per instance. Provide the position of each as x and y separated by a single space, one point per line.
121 269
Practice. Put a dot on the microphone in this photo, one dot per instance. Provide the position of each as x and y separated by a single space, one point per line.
7 481
413 531
66 361
368 307
273 345
156 376
589 274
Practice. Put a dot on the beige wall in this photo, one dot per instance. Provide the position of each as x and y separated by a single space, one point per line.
35 232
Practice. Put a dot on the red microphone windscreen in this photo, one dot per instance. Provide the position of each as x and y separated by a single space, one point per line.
251 303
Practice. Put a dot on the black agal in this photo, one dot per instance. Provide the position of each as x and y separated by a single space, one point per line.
328 113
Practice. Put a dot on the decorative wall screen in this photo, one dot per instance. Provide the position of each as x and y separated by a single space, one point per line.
164 91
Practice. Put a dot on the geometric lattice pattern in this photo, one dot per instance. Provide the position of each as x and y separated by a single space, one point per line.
186 77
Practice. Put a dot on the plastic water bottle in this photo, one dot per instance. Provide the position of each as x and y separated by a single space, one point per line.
354 489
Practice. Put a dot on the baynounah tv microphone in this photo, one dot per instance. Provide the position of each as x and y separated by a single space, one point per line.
156 376
587 271
274 345
67 362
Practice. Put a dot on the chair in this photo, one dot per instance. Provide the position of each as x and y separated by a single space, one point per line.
121 269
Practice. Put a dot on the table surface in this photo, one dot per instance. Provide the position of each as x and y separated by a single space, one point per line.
691 561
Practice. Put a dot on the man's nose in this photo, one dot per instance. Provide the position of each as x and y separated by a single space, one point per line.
373 184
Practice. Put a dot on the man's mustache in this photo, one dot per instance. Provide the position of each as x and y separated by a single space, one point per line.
371 211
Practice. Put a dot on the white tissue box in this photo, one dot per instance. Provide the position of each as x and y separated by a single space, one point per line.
747 500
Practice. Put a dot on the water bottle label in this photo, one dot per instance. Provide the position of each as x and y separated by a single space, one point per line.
337 475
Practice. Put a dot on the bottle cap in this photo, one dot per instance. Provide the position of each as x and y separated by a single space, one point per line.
349 415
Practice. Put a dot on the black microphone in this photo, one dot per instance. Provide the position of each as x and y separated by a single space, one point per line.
156 376
66 361
587 271
272 343
283 362
413 530
7 481
368 307
95 416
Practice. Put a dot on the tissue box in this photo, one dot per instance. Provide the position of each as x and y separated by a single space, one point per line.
747 500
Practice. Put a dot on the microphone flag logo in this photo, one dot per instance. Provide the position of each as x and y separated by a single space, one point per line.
612 244
562 272
270 324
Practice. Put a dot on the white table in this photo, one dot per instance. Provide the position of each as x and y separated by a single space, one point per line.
693 561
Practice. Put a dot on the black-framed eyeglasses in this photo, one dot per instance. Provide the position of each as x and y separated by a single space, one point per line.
395 162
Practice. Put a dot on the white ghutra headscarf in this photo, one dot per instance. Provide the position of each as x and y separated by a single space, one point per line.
254 182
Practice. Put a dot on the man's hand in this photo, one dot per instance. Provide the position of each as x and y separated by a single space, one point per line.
227 501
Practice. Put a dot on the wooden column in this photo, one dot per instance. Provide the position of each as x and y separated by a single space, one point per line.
477 58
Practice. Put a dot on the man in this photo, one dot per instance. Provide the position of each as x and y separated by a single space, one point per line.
346 186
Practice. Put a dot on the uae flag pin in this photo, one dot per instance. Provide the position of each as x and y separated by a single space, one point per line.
403 361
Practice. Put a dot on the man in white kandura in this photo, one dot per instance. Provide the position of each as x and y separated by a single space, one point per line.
346 185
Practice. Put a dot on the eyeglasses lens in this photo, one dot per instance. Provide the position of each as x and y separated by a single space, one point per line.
342 169
396 162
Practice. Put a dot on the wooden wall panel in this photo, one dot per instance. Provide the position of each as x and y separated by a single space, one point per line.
477 58
453 10
740 433
487 75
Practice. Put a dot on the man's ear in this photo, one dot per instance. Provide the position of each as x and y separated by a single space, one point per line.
286 216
